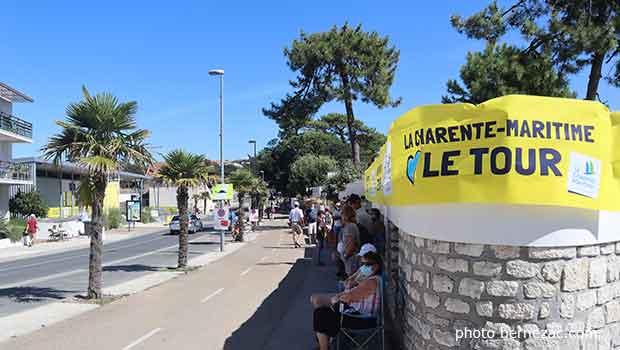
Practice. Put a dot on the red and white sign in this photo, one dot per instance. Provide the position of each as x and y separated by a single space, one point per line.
254 215
222 220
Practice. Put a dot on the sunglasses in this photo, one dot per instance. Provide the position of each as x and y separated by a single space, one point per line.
369 263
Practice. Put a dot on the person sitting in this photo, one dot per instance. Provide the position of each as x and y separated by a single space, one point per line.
359 276
361 300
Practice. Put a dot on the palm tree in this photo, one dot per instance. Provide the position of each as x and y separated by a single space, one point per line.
184 170
242 181
205 196
245 183
196 198
99 134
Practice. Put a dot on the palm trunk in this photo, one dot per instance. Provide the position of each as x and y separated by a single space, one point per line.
595 75
183 223
96 239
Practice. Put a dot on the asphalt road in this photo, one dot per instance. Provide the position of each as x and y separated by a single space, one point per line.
31 282
254 298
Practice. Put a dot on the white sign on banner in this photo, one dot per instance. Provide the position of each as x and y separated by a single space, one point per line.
387 169
584 175
222 219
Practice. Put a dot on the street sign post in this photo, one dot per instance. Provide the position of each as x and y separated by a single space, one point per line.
222 193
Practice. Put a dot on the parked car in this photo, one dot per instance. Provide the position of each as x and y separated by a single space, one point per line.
194 225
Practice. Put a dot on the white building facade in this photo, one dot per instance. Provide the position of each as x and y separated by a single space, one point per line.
12 130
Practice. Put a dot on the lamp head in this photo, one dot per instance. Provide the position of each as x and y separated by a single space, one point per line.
216 72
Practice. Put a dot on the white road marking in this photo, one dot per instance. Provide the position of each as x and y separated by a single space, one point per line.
211 295
142 338
246 271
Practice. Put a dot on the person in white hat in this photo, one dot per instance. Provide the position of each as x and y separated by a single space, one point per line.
359 275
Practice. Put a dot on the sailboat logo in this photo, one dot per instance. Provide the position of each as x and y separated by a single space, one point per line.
589 168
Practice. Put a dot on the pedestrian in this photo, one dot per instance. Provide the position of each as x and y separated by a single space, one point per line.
378 230
32 227
311 214
348 247
322 229
296 220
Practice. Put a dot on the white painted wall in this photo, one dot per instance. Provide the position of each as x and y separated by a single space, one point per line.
6 151
520 225
6 107
50 189
4 201
168 197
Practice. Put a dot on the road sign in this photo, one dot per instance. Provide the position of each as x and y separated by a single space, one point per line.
222 219
221 192
134 210
254 215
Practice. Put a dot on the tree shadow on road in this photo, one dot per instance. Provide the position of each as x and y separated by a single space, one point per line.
203 243
131 268
284 319
33 294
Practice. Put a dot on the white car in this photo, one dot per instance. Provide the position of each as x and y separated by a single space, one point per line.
194 225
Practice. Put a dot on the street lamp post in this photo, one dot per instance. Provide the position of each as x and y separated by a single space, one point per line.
253 159
220 73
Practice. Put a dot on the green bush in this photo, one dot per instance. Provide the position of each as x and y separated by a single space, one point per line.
113 218
26 203
146 215
13 229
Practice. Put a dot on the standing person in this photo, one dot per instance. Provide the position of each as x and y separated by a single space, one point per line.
296 220
321 234
378 230
350 243
360 212
32 227
311 214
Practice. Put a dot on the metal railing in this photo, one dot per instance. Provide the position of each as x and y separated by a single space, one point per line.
15 171
15 125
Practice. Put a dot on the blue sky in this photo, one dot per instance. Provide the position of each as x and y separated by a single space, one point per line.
158 53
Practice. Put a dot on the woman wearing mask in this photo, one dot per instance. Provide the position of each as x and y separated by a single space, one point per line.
362 300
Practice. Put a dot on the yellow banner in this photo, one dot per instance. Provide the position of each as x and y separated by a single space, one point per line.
513 149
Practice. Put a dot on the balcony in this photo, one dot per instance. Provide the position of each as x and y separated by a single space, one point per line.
15 173
16 126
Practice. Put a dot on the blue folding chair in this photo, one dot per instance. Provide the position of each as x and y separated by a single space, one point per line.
361 338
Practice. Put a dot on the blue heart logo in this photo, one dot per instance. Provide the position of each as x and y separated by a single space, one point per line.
412 164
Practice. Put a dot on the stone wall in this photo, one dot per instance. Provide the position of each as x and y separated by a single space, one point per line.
549 298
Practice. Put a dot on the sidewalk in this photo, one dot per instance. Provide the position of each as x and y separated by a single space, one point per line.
18 250
287 309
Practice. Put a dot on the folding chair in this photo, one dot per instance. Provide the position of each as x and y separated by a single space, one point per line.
361 338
